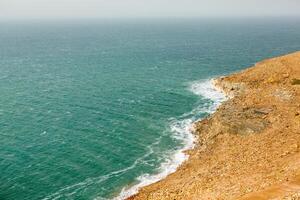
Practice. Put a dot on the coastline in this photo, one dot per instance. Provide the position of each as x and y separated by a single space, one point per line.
249 145
182 130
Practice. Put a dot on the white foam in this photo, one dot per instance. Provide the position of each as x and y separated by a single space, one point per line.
182 130
206 89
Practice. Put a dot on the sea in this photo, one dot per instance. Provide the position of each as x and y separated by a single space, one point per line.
97 109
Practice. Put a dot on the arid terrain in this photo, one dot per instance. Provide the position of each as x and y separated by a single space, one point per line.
249 148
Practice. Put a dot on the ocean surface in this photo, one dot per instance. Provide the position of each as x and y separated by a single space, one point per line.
96 109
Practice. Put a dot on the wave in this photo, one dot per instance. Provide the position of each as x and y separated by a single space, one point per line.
181 129
207 90
73 189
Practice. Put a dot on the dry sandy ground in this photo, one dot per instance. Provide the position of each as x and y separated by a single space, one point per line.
249 148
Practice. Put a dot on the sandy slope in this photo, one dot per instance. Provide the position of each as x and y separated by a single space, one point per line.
249 148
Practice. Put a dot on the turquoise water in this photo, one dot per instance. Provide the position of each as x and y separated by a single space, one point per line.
89 108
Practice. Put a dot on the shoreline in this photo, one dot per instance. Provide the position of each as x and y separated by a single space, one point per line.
188 137
241 148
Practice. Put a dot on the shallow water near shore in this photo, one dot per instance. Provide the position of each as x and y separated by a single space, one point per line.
91 108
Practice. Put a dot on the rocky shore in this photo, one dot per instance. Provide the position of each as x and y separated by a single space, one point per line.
249 148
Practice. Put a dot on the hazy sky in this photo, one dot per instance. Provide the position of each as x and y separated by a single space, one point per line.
146 8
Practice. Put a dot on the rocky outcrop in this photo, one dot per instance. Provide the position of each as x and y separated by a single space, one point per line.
249 148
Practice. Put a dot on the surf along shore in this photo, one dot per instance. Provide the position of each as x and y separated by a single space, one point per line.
249 148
